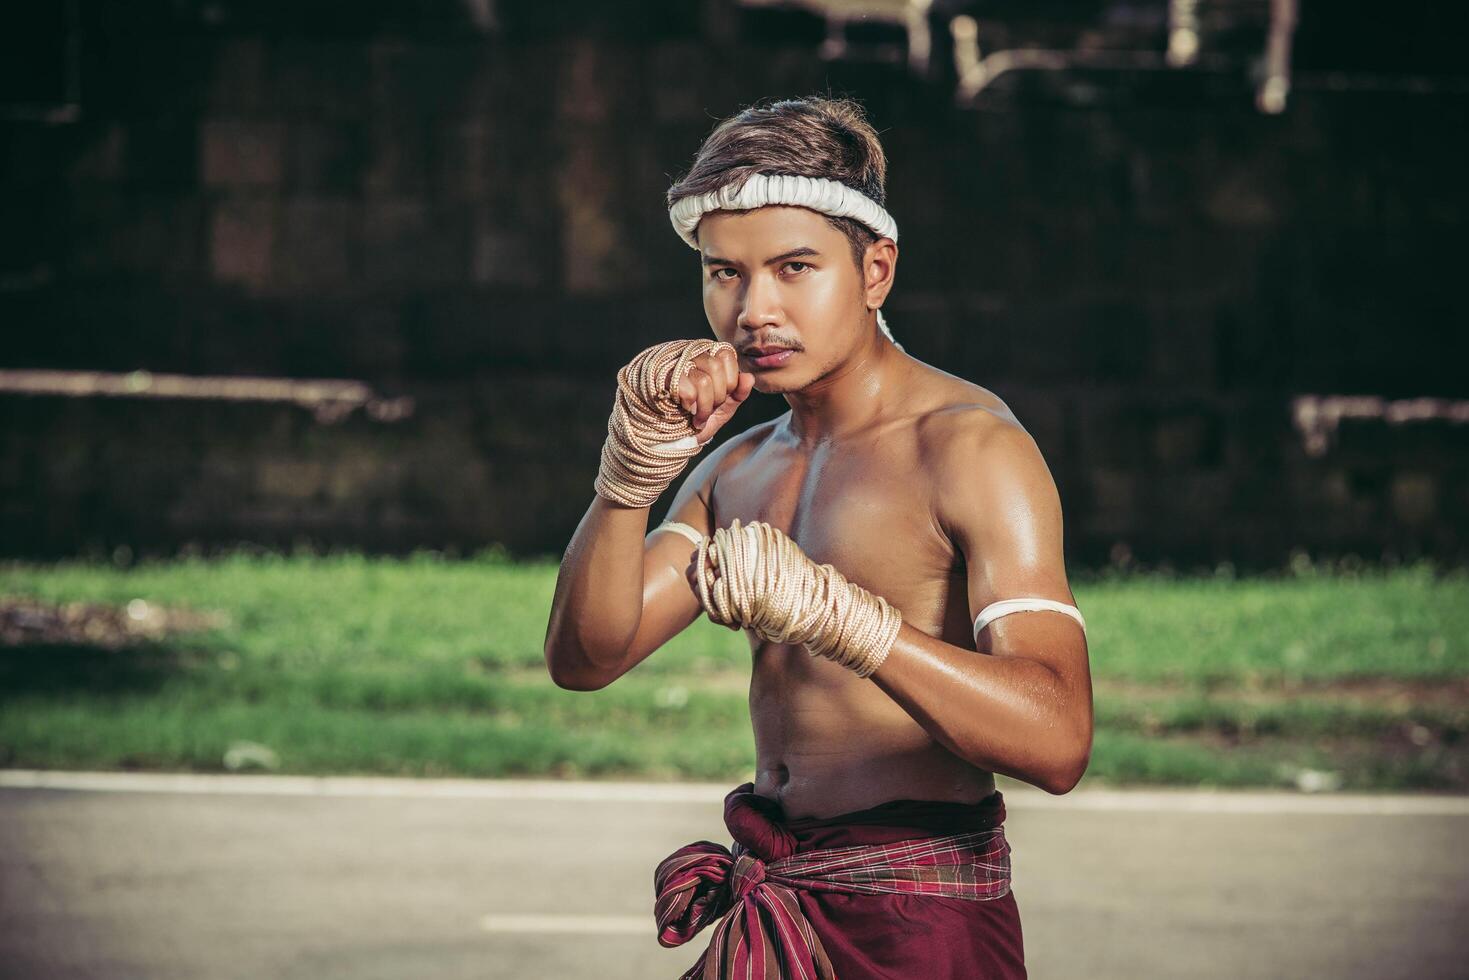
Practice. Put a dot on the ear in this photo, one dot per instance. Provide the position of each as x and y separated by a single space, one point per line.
879 266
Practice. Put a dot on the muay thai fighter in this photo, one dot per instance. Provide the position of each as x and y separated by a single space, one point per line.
876 543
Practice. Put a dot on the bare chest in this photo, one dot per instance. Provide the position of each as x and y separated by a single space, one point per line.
866 510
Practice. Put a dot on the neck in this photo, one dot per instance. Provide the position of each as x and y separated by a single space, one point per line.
857 393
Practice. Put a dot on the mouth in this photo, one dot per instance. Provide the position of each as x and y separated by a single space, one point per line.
768 357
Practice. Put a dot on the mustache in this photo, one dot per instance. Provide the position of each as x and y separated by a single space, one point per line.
772 342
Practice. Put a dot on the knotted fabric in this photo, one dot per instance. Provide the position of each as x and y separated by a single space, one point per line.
650 437
756 577
762 931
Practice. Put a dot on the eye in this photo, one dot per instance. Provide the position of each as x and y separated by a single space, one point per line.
716 273
803 265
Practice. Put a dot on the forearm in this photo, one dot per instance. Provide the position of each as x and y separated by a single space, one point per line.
651 435
599 594
1011 715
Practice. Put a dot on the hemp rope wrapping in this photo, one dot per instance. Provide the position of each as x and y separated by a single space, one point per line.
650 438
756 577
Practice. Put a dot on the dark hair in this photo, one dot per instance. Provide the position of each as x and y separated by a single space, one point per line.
809 137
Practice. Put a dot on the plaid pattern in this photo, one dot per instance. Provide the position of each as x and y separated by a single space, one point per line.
763 934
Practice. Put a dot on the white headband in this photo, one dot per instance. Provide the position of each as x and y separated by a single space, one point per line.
760 190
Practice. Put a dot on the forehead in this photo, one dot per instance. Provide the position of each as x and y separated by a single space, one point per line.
732 233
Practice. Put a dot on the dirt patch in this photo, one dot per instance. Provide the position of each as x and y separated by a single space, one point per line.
29 622
1377 691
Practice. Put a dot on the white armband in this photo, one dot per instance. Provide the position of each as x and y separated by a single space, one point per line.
686 530
1005 607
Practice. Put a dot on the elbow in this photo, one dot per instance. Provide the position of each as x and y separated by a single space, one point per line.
1060 784
577 682
570 676
1064 776
1071 751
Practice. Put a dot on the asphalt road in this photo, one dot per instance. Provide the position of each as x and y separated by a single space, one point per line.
117 876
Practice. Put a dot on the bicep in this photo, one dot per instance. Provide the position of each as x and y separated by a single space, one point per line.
1005 515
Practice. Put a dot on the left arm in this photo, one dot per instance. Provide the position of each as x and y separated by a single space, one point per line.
1022 706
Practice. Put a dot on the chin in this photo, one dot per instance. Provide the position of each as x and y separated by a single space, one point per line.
774 384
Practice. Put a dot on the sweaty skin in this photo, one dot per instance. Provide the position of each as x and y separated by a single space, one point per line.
915 484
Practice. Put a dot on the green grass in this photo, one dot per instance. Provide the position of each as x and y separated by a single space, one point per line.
1312 625
425 666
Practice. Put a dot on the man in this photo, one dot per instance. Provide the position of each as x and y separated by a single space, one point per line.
891 503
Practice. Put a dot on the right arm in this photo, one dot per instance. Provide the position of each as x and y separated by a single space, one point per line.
621 593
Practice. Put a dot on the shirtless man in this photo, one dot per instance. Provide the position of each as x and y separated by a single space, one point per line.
916 485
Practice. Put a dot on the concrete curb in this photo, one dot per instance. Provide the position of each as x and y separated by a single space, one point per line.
1016 798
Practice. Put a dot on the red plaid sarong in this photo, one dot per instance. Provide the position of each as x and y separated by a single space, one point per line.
763 933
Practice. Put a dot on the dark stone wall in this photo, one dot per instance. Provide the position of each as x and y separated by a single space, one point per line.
1145 268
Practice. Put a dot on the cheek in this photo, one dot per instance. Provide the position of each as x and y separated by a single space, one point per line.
716 304
824 296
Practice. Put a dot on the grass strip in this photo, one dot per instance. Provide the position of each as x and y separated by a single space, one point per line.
427 666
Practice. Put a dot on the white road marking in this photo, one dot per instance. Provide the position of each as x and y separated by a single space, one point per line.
1241 802
619 925
1016 798
358 786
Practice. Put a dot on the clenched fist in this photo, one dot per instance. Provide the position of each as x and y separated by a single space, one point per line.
671 400
713 389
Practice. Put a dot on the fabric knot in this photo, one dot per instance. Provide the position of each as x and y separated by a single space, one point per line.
748 872
751 894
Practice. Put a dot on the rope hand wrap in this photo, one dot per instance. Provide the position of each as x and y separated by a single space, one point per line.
756 577
650 438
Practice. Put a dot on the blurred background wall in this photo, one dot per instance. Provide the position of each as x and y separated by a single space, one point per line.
459 203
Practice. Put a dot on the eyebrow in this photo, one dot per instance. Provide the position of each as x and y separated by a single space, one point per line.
793 253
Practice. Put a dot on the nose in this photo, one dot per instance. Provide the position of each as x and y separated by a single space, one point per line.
761 304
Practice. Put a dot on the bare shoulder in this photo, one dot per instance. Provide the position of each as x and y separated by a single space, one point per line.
961 417
977 451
